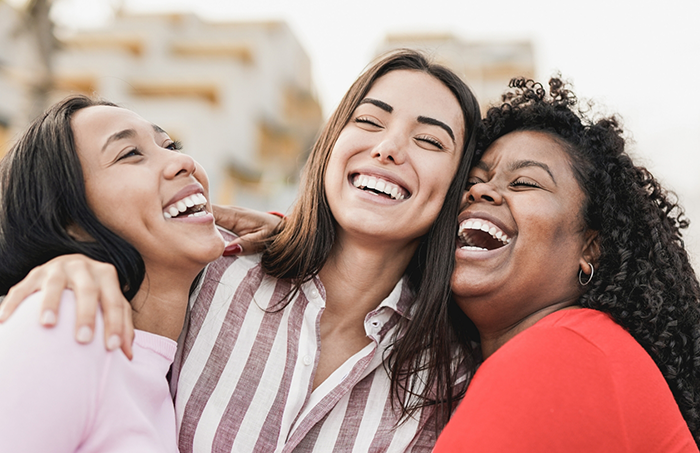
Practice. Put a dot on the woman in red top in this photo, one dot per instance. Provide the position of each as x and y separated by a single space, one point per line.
571 266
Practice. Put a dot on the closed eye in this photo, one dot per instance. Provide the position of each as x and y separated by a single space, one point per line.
433 141
133 152
366 120
525 183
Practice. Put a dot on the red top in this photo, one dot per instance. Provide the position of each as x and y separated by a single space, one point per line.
574 382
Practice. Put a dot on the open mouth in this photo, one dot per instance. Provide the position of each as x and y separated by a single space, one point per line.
481 235
379 187
190 206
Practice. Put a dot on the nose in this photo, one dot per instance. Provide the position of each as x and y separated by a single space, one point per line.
389 150
179 164
483 191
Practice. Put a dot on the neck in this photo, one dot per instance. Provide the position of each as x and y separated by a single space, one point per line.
492 340
160 306
358 277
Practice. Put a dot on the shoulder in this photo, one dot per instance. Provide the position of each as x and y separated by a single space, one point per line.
22 331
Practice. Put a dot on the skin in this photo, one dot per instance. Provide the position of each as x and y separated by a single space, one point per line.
406 144
129 179
376 236
524 185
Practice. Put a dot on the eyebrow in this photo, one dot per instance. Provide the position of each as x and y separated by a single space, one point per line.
518 164
421 119
128 133
381 104
434 122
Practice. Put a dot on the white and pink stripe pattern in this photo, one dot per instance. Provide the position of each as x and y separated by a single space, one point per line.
244 372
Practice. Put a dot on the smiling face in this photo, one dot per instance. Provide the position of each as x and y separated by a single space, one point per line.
393 162
142 189
521 237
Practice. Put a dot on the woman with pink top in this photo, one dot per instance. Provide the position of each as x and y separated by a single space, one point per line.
89 177
301 347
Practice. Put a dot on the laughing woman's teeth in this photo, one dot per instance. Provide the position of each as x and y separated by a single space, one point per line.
167 215
188 202
380 186
202 199
372 183
182 207
173 211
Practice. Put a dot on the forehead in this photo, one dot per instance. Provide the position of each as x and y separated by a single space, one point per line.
420 93
101 121
527 145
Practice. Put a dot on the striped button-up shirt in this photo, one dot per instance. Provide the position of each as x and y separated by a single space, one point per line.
245 372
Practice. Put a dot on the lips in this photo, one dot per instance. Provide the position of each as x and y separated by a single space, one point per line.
481 235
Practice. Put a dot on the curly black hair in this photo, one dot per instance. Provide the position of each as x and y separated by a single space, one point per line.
644 278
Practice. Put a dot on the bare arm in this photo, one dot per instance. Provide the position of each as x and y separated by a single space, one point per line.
96 284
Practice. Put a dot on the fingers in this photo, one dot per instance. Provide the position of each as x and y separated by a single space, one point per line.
128 332
32 283
226 216
249 243
95 285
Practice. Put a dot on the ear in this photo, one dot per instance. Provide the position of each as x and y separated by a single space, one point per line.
78 233
591 251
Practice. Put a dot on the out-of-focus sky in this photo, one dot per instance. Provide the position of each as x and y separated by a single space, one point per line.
639 58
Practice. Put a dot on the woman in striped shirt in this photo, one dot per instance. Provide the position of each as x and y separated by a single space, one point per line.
296 349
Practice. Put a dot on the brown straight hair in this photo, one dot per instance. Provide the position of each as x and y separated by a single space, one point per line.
302 246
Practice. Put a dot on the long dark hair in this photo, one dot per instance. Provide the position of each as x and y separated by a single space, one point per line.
644 278
299 251
43 195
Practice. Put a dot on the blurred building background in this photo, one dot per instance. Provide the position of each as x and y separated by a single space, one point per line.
239 95
487 66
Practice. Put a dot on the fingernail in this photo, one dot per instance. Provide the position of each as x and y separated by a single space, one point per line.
113 342
84 335
48 318
233 249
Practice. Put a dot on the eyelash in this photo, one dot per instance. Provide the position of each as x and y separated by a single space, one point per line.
175 146
521 182
130 153
432 141
361 119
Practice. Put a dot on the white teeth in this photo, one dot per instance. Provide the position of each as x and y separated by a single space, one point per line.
195 200
484 226
379 185
472 247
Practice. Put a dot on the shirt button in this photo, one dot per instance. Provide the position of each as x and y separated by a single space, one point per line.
314 293
307 360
